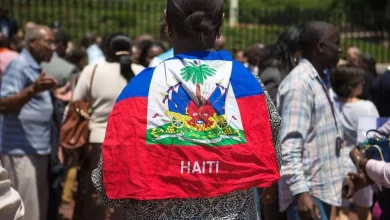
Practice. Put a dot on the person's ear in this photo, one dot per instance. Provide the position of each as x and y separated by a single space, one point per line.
321 46
33 44
168 29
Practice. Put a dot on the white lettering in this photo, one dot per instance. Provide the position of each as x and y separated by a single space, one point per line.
210 163
196 168
185 167
199 167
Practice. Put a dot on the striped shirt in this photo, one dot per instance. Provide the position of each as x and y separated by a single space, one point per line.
29 130
310 161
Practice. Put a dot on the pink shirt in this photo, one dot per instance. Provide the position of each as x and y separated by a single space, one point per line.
379 172
6 56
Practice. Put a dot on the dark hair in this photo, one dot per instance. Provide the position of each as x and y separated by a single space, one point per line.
199 18
61 36
3 40
145 46
370 64
267 58
118 49
282 54
343 79
286 47
76 56
88 40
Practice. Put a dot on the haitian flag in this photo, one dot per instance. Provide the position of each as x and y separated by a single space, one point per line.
195 126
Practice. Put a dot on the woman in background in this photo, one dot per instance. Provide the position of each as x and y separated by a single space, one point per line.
278 60
149 50
347 82
109 79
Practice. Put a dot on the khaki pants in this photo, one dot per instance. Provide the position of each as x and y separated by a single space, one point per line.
70 180
29 176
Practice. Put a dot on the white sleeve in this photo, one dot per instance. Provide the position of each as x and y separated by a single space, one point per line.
82 86
11 204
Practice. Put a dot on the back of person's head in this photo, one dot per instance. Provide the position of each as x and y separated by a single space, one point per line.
267 58
287 49
200 20
146 56
142 37
3 40
61 41
321 41
370 64
88 40
78 56
119 50
254 52
345 78
353 54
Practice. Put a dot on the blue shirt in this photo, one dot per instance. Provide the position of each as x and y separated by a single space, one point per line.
29 130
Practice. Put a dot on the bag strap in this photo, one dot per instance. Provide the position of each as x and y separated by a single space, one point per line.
375 131
89 96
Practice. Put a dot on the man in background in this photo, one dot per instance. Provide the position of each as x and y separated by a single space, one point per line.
58 67
311 175
62 71
26 110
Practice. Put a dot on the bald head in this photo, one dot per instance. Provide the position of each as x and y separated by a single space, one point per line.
353 55
320 44
36 33
40 42
313 33
29 25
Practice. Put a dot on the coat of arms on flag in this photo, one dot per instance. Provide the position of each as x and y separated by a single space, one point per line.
195 116
195 126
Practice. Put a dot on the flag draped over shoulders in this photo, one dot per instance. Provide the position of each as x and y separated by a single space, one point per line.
195 126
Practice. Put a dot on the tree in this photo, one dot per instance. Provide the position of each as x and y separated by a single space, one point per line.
197 74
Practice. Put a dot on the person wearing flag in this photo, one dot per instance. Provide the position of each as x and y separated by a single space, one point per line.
191 137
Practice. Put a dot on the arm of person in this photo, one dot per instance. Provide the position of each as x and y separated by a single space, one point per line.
379 173
295 110
13 103
81 90
14 92
385 129
11 205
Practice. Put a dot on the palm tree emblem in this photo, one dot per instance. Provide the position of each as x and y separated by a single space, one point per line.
197 74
